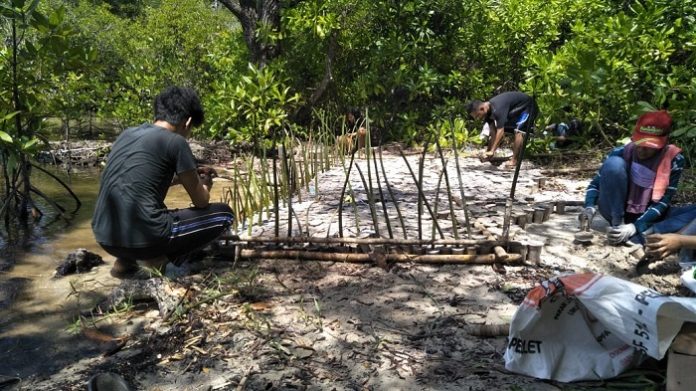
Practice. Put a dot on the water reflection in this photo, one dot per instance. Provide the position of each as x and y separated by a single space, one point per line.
37 310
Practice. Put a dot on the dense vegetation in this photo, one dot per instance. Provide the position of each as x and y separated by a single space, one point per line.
279 65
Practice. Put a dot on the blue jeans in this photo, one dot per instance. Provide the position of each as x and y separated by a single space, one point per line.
613 190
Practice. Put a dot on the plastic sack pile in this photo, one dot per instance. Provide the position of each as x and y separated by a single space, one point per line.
591 327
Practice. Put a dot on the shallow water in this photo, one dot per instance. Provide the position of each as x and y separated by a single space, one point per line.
38 310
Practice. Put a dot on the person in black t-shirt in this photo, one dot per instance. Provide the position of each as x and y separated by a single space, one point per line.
131 221
509 112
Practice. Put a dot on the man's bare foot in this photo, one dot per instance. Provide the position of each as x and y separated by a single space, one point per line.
510 164
124 268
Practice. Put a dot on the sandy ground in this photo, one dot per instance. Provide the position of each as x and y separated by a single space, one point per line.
307 325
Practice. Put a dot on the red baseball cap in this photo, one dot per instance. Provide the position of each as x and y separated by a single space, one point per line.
652 130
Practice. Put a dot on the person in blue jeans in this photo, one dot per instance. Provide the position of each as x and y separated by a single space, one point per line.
633 188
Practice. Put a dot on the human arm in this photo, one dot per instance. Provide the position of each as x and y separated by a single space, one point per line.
497 138
206 175
661 245
659 208
197 190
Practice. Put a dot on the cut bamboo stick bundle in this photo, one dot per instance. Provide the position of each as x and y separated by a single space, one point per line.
368 258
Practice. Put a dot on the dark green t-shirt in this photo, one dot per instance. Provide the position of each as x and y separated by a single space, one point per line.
130 210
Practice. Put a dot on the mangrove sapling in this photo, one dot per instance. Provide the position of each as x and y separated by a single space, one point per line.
343 193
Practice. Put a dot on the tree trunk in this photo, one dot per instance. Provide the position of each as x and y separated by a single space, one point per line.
253 15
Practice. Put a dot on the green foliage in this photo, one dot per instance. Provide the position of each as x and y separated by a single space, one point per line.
617 59
253 108
413 64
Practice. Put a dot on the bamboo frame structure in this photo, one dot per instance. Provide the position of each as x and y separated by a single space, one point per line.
374 257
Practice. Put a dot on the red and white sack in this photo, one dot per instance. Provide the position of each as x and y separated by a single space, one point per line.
590 327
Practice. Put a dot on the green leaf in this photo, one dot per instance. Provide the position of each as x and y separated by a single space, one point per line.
10 116
29 144
5 137
8 12
680 131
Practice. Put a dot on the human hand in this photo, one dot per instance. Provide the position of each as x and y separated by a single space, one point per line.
621 233
662 245
485 156
587 214
206 175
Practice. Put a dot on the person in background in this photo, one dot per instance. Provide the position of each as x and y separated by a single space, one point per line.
633 188
510 112
131 221
563 133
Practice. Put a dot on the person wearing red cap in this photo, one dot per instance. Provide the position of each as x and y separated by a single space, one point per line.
633 188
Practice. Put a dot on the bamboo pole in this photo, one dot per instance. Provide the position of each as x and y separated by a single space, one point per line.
276 196
499 250
233 239
437 202
449 189
370 203
421 197
391 193
461 184
343 192
381 196
368 258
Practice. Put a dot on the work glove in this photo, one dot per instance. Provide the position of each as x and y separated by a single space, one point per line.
620 234
587 214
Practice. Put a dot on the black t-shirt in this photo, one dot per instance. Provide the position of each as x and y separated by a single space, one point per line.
130 210
507 108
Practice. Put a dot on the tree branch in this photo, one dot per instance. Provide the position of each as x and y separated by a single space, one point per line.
234 7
